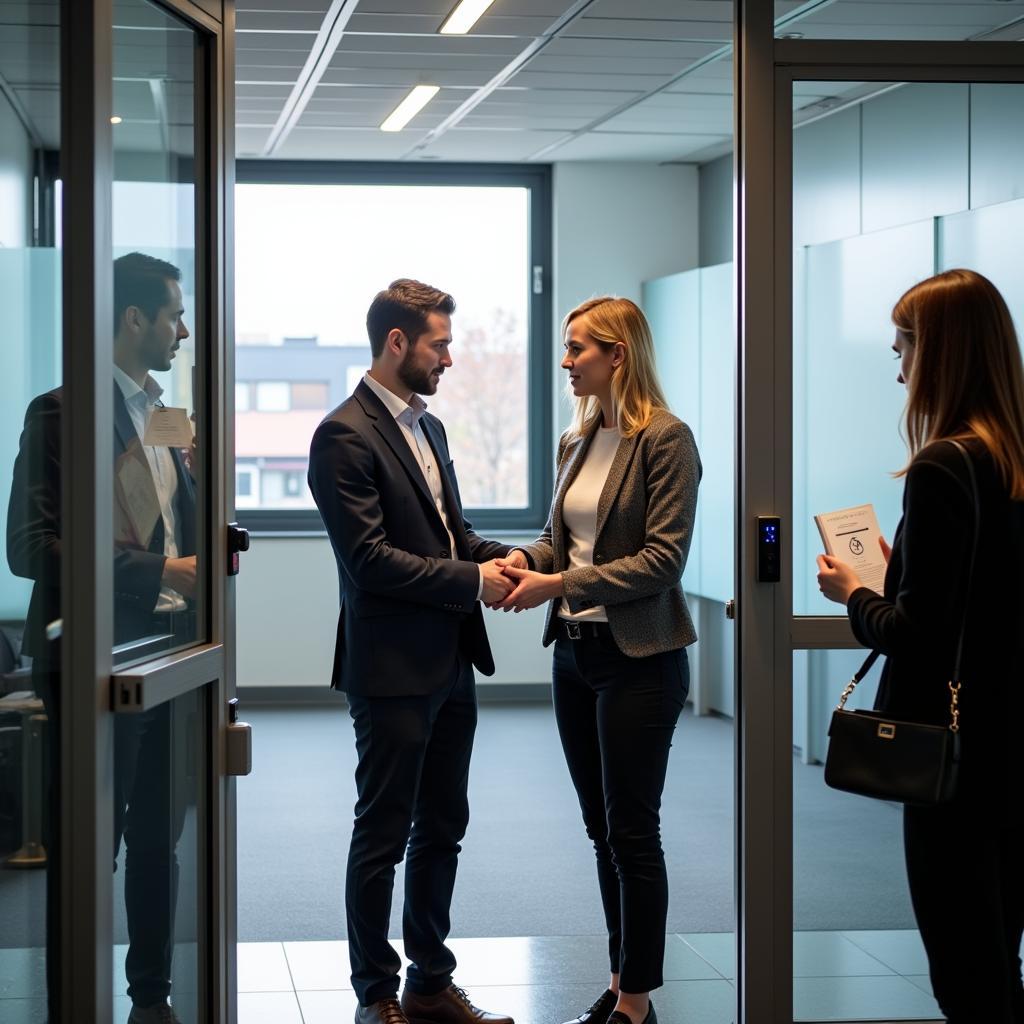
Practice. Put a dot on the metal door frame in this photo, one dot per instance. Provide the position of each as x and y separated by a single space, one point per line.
87 579
767 631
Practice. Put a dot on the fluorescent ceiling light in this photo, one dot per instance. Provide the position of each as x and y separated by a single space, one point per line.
409 108
465 16
115 119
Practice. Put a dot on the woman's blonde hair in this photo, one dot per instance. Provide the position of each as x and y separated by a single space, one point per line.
967 378
635 389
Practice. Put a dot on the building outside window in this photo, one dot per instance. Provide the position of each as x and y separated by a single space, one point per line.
301 345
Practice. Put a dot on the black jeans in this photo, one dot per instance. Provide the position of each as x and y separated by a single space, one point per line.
149 815
411 779
616 716
964 865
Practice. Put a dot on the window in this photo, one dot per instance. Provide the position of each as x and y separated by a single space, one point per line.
479 232
311 396
272 396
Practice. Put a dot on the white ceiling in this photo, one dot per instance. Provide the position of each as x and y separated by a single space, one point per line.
535 79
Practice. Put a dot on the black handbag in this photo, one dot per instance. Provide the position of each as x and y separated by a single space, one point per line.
874 755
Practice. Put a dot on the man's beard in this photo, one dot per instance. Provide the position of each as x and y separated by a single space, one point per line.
417 380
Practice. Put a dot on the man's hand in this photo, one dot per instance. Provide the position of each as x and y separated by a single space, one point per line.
532 588
180 575
496 585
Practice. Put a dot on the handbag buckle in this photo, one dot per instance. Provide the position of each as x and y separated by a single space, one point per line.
886 731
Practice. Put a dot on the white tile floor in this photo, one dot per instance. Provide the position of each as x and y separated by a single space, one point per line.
856 975
837 976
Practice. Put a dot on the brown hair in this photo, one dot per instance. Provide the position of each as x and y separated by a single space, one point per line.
636 391
967 379
404 305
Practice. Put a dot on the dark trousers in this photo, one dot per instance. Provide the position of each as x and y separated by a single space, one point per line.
411 783
616 716
149 818
965 865
149 815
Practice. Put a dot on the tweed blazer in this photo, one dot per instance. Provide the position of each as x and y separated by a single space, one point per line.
644 526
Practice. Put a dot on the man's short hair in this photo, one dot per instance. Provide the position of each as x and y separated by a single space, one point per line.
404 305
141 280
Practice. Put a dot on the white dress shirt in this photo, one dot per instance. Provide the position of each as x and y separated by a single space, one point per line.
141 402
579 512
408 416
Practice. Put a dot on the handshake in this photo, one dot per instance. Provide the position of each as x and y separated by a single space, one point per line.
511 586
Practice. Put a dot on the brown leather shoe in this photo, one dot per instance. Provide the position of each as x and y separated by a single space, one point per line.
452 1006
386 1011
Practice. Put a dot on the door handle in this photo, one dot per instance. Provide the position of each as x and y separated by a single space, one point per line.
238 541
239 743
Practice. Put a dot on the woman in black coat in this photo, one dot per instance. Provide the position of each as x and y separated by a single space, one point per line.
961 363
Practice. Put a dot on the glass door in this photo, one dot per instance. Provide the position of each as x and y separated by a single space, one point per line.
148 740
902 173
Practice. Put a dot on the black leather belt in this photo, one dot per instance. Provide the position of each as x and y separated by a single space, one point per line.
584 630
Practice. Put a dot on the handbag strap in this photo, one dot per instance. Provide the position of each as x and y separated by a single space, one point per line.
955 682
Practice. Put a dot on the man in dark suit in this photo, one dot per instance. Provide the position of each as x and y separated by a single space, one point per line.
412 574
154 583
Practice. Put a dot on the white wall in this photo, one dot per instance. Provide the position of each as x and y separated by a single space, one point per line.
615 226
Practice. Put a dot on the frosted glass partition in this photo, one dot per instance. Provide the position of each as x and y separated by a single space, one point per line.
717 434
847 402
691 316
989 241
672 305
30 365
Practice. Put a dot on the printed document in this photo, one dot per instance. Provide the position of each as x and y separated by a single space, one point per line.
851 535
168 427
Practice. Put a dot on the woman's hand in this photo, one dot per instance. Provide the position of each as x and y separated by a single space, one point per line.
886 550
515 558
532 589
836 580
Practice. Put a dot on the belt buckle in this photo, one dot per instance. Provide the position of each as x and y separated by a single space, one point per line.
573 629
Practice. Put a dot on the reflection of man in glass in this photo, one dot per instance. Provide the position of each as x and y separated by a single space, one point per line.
154 580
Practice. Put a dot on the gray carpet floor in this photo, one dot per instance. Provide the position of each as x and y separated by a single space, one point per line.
527 866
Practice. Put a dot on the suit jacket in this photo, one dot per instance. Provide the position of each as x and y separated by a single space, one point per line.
34 527
916 623
644 526
407 606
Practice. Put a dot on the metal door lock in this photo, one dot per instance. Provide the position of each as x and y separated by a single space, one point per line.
239 742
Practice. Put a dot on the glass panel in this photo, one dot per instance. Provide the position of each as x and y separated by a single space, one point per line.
30 468
988 241
856 951
314 332
844 376
159 813
915 181
910 20
157 519
691 318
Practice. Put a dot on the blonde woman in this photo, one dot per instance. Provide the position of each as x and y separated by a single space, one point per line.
609 562
961 363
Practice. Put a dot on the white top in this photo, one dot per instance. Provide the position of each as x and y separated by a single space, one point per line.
141 402
408 416
579 512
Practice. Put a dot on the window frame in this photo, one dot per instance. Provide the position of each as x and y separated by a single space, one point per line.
536 178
